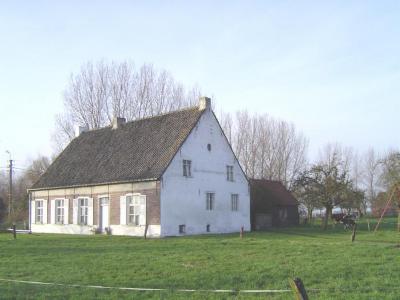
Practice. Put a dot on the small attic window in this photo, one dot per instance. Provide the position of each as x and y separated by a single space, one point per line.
209 147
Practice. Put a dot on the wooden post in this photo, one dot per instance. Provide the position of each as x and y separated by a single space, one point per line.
398 219
14 231
353 236
369 229
298 288
241 232
145 231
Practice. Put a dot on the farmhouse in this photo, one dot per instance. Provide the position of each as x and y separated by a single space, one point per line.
171 174
272 205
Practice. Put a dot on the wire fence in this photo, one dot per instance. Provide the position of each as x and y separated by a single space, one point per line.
223 291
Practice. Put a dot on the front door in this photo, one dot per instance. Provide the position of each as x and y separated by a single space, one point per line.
104 213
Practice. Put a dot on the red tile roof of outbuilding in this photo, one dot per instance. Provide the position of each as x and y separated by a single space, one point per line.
273 191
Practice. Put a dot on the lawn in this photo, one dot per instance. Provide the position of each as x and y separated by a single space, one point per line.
327 261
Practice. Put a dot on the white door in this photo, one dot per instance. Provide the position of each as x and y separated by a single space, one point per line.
104 214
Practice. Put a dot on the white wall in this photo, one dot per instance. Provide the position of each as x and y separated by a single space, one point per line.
183 200
152 230
56 228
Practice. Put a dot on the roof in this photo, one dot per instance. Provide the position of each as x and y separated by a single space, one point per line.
271 191
135 151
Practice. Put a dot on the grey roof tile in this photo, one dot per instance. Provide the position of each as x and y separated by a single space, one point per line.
137 150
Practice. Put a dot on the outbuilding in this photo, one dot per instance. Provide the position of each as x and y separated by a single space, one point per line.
272 205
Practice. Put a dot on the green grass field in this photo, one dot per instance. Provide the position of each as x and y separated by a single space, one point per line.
328 261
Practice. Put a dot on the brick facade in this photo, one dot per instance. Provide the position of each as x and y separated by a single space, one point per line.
152 200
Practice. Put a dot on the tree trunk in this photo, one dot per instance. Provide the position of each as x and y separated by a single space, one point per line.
328 213
309 214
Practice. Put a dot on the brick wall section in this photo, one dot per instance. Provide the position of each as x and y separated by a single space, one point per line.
152 201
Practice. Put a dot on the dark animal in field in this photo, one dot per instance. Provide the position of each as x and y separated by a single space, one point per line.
347 220
338 217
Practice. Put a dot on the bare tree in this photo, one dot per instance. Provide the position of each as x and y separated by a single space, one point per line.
371 174
266 148
103 90
226 122
22 181
390 175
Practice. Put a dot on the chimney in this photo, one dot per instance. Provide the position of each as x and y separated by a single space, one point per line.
80 129
204 103
117 122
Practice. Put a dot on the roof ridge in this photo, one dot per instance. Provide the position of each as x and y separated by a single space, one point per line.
145 118
268 180
164 114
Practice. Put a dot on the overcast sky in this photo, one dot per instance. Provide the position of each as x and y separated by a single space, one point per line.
330 67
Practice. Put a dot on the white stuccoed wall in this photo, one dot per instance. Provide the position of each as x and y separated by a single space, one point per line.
183 200
152 231
67 228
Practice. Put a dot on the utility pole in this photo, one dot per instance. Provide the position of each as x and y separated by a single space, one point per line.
10 194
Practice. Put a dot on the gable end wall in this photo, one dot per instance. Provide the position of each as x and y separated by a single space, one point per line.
183 200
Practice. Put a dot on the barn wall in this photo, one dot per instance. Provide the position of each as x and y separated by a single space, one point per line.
114 192
183 200
291 218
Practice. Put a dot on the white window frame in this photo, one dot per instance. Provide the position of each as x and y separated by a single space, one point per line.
234 202
210 201
133 201
59 211
83 219
229 173
39 208
102 197
187 168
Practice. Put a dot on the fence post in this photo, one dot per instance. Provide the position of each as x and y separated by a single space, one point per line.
241 232
14 231
353 236
298 289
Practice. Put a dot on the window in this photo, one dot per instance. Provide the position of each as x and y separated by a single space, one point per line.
235 202
209 147
182 229
229 173
103 201
83 211
187 165
133 211
39 212
208 228
59 206
210 199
